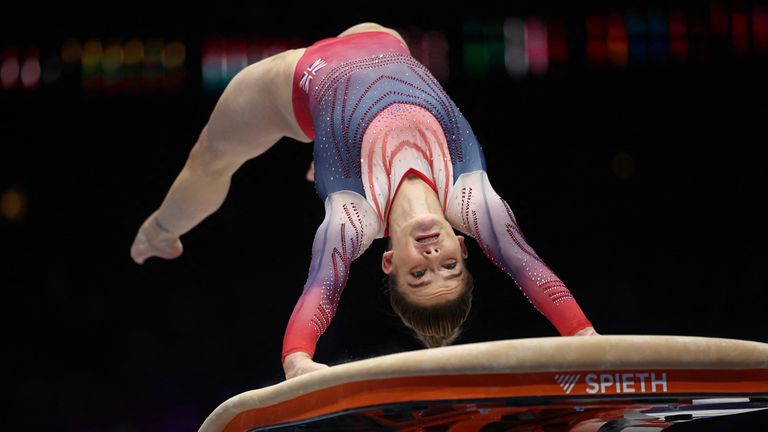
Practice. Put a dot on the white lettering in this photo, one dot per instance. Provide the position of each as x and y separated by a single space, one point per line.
592 386
662 381
627 383
606 380
642 376
620 382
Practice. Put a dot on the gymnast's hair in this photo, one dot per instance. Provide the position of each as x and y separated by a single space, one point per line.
436 325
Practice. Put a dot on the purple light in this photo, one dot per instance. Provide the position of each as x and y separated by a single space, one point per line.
9 70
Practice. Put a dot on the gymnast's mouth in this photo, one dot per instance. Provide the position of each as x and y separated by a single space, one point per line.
428 238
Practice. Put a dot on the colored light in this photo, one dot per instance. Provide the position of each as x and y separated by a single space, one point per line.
112 59
152 68
476 54
494 35
133 60
515 60
435 54
174 59
718 16
237 58
557 42
174 55
658 39
91 56
740 33
637 34
30 70
760 29
618 51
13 204
9 70
112 66
213 64
133 53
536 49
430 48
71 51
597 48
678 36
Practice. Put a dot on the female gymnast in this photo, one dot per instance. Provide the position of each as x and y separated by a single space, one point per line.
393 157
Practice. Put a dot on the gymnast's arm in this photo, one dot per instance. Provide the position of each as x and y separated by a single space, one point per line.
481 213
248 119
349 227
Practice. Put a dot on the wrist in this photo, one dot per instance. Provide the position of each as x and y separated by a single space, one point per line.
159 227
294 358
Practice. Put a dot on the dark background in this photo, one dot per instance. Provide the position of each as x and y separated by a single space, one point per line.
642 187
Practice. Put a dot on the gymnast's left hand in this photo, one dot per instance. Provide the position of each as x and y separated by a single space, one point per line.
310 176
587 331
152 240
300 363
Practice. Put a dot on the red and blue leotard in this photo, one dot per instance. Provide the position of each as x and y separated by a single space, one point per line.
377 115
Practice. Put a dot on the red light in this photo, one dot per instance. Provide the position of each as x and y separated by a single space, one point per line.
214 63
760 29
557 42
237 57
618 48
597 49
740 32
30 70
432 50
9 69
536 45
678 36
718 16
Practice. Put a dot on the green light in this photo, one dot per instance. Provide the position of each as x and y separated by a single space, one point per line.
476 52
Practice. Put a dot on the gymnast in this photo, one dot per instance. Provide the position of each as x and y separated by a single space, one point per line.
393 157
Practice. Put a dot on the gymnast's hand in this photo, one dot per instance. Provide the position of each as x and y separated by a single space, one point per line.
300 363
154 240
310 176
587 331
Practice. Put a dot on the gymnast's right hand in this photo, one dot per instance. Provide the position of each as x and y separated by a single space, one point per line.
300 363
153 240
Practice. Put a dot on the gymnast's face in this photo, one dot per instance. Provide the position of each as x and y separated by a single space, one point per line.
427 260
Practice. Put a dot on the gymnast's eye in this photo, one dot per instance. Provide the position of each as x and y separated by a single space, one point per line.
418 274
450 266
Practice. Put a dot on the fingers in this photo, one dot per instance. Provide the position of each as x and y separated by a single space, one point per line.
311 172
141 250
304 368
586 331
174 250
137 257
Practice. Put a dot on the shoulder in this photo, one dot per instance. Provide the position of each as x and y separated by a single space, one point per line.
472 179
350 207
468 193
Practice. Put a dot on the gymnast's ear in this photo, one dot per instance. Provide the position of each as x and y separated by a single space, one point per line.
386 261
463 246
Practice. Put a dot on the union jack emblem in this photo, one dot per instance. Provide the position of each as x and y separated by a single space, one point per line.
309 74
